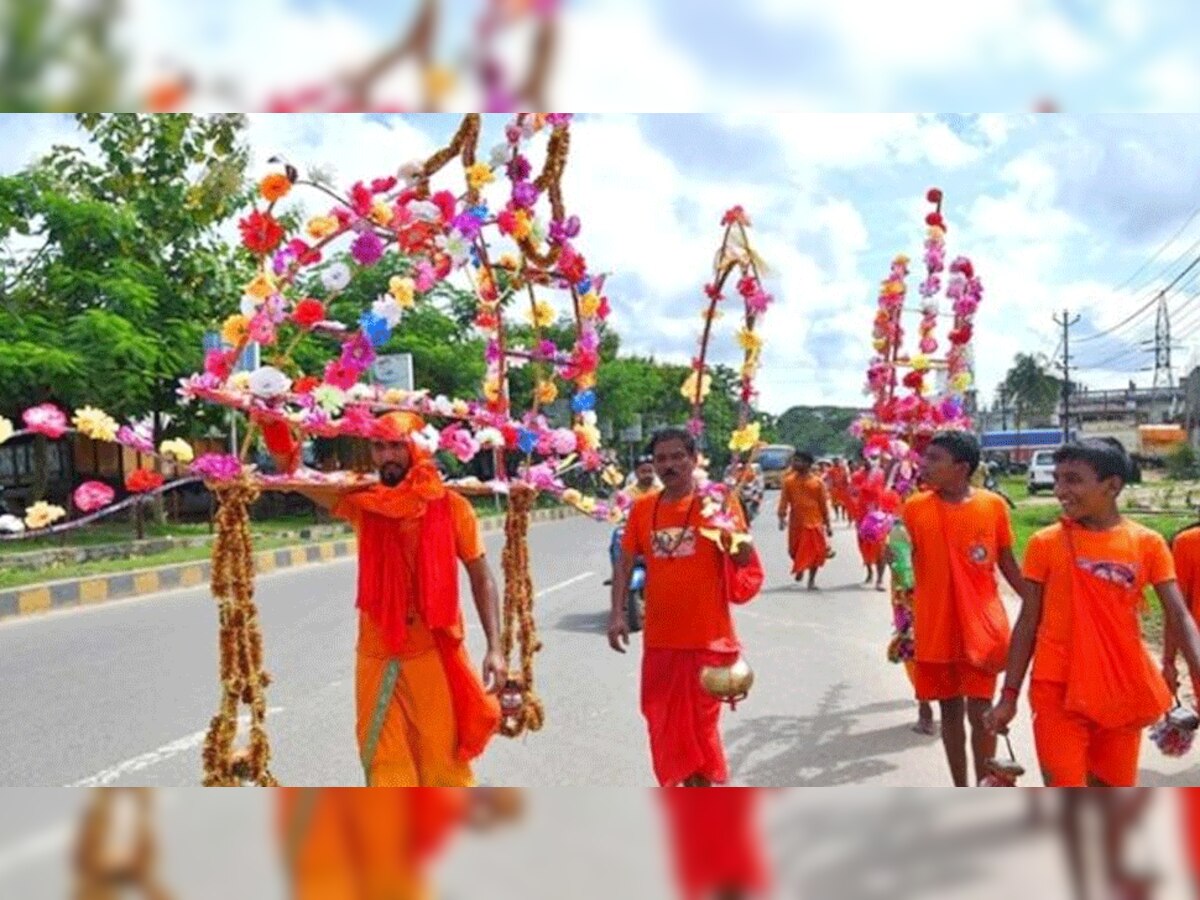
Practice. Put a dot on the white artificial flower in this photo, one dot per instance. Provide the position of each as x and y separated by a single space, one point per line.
411 171
360 391
425 210
443 406
427 439
499 155
267 382
11 524
249 306
336 277
388 309
490 438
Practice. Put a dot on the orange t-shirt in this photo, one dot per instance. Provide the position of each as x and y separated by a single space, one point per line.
977 530
807 498
686 607
404 535
1186 551
1128 554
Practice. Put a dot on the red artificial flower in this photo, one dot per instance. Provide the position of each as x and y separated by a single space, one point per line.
444 201
961 335
279 438
406 196
934 195
486 321
441 265
305 255
512 435
506 220
572 265
935 220
260 232
306 385
142 481
342 215
308 312
416 236
748 286
361 198
383 185
914 379
712 292
735 214
604 310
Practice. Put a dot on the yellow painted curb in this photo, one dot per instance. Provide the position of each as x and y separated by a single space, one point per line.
191 576
94 590
145 583
34 601
326 552
265 562
299 556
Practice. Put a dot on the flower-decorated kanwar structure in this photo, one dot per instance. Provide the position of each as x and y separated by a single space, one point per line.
907 406
497 226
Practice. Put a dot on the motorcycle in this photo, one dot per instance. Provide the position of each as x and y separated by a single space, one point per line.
635 609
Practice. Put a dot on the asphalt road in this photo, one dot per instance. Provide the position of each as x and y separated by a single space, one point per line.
866 844
120 694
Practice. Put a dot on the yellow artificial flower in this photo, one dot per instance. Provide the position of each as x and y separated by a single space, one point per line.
893 287
522 225
959 383
745 439
880 344
749 340
321 227
588 505
589 436
240 382
589 305
542 315
6 429
920 362
901 259
689 386
439 81
571 497
262 286
612 477
479 174
178 450
584 382
547 392
95 423
395 396
236 330
381 212
403 290
460 408
43 514
491 390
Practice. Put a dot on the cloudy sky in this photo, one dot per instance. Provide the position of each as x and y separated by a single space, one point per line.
1087 213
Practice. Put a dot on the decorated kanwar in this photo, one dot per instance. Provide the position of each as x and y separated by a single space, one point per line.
699 558
1093 688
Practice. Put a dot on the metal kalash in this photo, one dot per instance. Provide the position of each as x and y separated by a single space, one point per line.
1003 772
1174 734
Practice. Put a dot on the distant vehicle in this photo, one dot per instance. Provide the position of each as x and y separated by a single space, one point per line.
1041 471
773 460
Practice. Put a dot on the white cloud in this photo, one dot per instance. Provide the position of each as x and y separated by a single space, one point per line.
1170 81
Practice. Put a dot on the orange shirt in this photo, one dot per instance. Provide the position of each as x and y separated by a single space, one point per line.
976 530
1186 551
686 607
807 498
401 548
1129 554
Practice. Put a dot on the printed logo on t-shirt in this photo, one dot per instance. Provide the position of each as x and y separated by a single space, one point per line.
1118 573
673 543
978 554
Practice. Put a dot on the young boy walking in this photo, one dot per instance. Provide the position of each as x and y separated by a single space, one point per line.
1094 687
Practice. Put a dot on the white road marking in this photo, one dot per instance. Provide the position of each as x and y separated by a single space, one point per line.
563 584
154 757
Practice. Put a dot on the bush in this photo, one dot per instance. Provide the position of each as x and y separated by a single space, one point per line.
1183 465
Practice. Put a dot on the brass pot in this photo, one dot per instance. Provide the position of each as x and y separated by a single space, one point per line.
1006 768
729 683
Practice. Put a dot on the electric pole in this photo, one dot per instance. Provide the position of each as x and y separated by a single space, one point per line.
1066 322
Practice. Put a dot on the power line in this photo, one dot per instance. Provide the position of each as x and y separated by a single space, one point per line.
1149 303
1159 251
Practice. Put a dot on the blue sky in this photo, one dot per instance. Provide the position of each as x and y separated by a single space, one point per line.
1056 211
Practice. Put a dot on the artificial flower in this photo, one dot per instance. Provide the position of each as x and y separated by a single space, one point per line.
336 277
236 330
262 329
589 305
178 450
542 314
330 398
260 232
387 309
745 439
261 287
749 340
10 524
321 226
403 289
142 481
92 495
367 249
480 174
42 514
45 419
546 392
274 187
217 467
381 212
135 438
690 386
239 383
267 382
6 429
308 312
95 423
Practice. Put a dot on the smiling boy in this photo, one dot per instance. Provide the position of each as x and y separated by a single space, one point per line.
1094 687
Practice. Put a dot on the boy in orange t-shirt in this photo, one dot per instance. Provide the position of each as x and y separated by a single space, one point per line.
960 536
1094 687
687 622
804 513
1185 549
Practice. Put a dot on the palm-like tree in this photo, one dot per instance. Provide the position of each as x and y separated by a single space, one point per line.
1031 389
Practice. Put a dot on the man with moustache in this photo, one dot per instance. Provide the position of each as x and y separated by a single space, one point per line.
423 713
688 623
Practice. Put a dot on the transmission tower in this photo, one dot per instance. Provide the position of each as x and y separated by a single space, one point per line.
1163 376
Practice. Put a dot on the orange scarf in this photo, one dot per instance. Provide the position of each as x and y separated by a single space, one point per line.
384 583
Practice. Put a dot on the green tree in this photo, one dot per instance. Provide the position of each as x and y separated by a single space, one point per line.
817 429
1032 391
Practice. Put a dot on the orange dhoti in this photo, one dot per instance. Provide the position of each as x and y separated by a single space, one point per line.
946 681
682 718
871 551
808 547
1074 751
347 844
422 715
716 840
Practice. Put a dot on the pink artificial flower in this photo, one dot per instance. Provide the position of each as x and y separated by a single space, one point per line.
135 439
93 495
460 442
758 302
564 441
338 374
46 419
262 329
217 466
426 276
218 363
367 249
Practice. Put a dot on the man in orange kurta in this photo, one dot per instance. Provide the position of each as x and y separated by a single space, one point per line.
688 624
1093 688
1185 549
839 483
348 844
960 537
804 512
423 712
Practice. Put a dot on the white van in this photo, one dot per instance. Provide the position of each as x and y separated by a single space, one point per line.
1041 471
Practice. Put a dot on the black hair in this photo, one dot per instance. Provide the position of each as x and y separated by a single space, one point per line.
1104 456
802 456
962 446
672 434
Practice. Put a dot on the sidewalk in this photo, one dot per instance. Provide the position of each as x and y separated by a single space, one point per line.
72 592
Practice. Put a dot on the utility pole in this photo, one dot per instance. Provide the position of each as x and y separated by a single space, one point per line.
1003 392
1066 322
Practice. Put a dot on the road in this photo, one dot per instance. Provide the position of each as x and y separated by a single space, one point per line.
120 694
591 844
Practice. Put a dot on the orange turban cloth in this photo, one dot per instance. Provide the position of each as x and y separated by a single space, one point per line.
398 426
